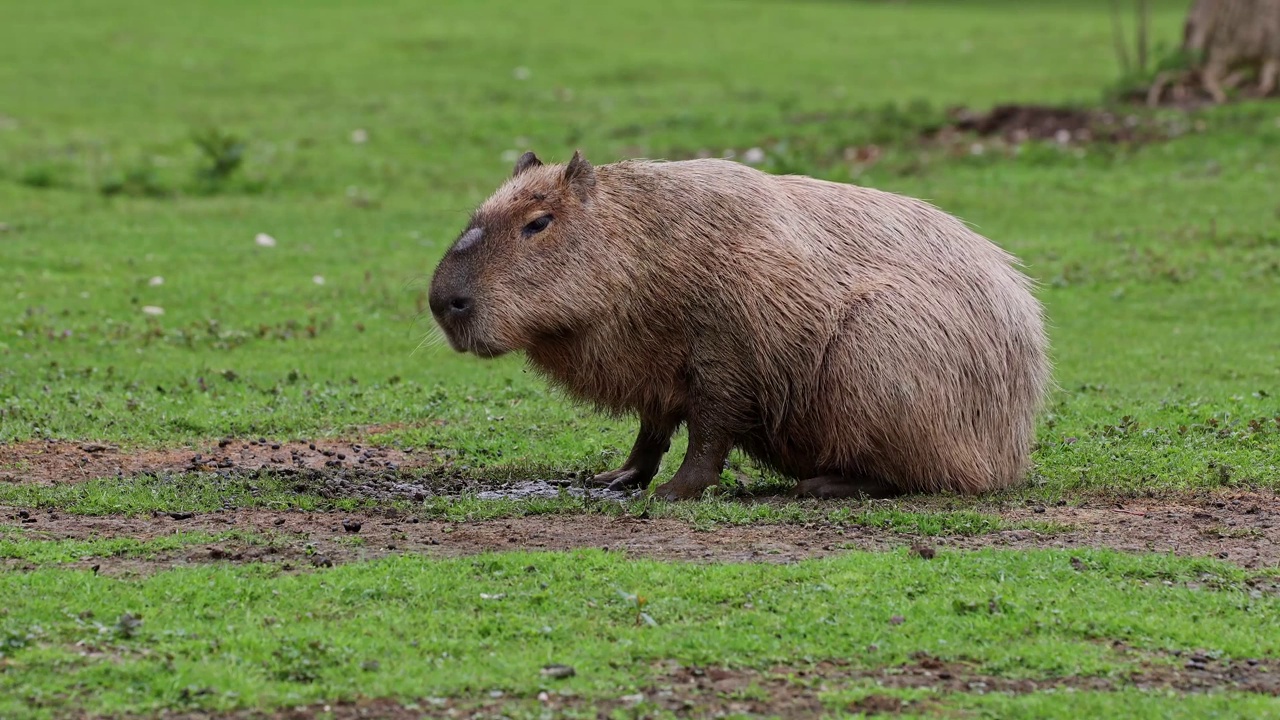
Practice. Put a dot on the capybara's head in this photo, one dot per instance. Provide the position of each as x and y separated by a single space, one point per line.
522 270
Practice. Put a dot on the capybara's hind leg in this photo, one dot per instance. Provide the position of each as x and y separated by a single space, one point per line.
845 486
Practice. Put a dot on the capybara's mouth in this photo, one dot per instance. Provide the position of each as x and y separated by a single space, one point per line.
461 342
486 351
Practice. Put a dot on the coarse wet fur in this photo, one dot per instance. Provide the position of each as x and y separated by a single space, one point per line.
858 341
1235 35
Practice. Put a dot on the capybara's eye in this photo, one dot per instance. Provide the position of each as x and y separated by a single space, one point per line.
538 225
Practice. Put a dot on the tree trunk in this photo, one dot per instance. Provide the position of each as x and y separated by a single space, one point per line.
1235 39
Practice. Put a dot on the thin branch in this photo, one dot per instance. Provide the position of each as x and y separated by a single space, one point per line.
1117 32
1144 17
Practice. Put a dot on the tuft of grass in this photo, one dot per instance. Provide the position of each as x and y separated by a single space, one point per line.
39 177
221 152
1126 703
33 550
139 180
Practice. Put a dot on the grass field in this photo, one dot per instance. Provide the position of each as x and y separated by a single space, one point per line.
146 148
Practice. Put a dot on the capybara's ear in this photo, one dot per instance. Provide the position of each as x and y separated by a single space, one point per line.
526 161
580 176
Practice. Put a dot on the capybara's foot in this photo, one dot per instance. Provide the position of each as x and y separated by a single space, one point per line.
624 478
841 486
687 485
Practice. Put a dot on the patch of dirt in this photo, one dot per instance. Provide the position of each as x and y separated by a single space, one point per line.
1244 530
53 462
793 692
331 469
306 539
1015 124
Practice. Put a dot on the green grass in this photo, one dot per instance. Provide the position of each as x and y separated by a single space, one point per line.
408 627
142 149
1131 704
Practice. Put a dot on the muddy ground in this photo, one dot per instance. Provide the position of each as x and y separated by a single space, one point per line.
1015 124
1235 532
50 462
1243 528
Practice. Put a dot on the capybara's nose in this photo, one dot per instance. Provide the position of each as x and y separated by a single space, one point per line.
460 306
451 306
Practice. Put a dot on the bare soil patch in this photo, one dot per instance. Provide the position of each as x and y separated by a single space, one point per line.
794 691
1243 529
311 539
52 462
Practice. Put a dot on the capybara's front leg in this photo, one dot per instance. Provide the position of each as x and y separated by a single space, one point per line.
646 456
703 461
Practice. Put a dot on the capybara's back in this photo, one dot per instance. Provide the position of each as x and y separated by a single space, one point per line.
857 340
936 362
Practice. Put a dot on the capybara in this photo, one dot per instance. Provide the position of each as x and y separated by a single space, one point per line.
862 342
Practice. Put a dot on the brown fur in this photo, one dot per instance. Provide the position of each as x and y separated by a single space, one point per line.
858 340
1235 35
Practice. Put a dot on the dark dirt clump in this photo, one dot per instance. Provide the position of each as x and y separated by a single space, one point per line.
1016 124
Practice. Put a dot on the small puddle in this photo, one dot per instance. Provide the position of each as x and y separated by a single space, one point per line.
527 489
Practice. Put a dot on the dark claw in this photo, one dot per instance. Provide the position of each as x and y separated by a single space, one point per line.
623 484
